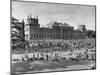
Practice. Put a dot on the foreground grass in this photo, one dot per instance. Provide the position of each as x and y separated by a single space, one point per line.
23 67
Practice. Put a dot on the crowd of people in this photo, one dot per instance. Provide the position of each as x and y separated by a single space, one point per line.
59 50
62 44
67 49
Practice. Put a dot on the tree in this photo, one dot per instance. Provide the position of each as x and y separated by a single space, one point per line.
91 34
17 33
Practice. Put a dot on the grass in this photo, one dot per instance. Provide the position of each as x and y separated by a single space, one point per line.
23 67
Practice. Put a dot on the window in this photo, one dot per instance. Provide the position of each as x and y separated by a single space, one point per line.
41 35
34 35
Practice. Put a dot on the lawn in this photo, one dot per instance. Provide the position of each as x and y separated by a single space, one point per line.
24 67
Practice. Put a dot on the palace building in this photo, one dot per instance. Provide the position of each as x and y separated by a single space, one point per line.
55 30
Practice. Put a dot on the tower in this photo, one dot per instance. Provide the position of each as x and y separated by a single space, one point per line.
81 27
36 19
33 21
31 26
23 31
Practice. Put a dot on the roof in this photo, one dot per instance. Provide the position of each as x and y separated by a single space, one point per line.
59 24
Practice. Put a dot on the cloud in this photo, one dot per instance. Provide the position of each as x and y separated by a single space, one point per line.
73 14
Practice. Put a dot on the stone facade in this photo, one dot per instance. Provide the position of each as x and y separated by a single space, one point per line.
55 30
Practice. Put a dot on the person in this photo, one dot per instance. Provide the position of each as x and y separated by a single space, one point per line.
23 58
29 66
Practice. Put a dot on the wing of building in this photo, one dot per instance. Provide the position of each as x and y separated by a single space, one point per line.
56 30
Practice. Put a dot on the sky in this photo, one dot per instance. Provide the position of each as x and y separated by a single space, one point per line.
66 13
